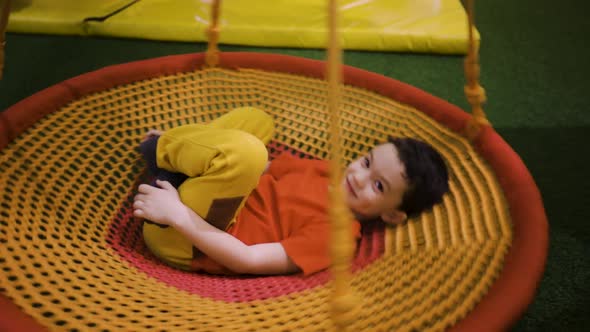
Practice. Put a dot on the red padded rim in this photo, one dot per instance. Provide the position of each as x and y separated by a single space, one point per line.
514 289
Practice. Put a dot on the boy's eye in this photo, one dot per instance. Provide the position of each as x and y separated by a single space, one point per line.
366 162
379 186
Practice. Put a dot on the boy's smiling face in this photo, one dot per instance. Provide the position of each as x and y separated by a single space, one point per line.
374 185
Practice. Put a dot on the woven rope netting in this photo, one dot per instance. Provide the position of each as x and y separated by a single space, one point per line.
72 255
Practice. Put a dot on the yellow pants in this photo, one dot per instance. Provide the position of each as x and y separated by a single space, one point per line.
223 161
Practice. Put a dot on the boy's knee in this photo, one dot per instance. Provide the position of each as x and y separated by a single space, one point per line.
250 154
252 113
249 119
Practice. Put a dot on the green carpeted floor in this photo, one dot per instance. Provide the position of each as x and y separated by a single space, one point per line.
535 62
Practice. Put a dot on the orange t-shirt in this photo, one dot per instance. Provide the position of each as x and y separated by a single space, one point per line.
290 206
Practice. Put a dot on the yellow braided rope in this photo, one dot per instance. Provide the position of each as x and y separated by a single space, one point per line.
474 92
212 55
344 304
435 269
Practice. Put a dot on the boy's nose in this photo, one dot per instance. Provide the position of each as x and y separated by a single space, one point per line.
360 179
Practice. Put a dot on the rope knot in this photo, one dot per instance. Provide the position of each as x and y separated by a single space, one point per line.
475 94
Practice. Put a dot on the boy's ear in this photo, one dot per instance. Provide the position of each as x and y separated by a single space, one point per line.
395 217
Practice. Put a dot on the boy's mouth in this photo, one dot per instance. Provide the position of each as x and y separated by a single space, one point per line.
349 187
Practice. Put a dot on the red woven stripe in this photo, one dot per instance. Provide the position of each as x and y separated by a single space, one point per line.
14 319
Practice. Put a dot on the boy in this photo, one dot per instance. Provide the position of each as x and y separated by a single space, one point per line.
235 213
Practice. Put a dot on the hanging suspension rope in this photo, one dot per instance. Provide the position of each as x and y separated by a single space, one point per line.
212 55
344 304
474 92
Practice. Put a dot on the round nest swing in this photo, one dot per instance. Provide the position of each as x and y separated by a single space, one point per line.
73 258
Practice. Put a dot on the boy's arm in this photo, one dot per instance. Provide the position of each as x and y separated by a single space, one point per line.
163 206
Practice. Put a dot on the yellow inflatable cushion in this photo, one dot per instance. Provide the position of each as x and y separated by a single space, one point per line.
437 26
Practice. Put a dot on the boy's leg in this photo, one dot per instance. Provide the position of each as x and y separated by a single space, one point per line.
223 166
148 151
248 119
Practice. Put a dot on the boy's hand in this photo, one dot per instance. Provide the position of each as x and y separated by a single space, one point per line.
151 133
160 205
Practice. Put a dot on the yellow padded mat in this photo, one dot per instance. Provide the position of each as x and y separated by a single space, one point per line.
433 26
64 17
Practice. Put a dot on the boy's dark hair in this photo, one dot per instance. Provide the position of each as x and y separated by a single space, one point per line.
427 175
